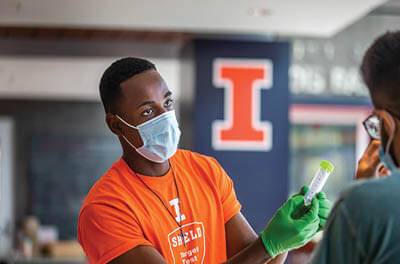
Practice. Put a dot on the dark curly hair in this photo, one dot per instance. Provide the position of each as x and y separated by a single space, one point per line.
380 70
118 72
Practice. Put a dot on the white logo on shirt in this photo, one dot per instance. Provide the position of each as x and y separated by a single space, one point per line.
175 203
192 250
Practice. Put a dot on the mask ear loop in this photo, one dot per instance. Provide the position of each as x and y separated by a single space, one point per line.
126 123
131 126
135 148
392 134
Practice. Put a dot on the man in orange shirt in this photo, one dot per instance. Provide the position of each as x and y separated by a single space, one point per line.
157 204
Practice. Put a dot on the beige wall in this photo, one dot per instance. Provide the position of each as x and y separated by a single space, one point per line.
66 78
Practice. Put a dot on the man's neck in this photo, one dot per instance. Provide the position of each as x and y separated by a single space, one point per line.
143 166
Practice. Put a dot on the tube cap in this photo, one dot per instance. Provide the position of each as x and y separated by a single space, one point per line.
327 166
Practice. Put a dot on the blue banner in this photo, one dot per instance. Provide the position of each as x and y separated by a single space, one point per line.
241 119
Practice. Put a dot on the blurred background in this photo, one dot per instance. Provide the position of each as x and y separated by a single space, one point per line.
55 145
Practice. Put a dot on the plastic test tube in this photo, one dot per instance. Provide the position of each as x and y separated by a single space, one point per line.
325 169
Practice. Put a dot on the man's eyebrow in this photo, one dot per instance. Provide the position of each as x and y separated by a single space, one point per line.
145 103
169 93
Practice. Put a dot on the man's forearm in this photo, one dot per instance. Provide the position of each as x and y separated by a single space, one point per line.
255 253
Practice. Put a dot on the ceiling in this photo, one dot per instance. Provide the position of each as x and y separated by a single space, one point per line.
318 18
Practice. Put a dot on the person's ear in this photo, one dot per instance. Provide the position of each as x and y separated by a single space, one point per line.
387 126
114 124
387 122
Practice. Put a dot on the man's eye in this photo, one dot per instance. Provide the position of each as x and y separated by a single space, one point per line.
169 102
147 112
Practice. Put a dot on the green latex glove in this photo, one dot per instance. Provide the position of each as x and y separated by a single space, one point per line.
284 233
325 207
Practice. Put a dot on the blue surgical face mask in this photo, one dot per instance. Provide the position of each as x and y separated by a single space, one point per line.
160 137
386 159
384 153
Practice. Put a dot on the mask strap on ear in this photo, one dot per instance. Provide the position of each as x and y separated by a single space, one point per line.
126 123
129 125
135 148
392 134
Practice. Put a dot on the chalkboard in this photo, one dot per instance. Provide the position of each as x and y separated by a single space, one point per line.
62 170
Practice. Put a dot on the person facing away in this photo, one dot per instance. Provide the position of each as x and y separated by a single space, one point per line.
157 204
364 225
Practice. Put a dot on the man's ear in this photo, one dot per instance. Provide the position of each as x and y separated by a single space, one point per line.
388 122
387 126
114 124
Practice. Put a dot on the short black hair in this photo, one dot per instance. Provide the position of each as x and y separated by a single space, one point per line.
380 70
118 72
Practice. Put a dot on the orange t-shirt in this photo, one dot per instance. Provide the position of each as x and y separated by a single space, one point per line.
120 213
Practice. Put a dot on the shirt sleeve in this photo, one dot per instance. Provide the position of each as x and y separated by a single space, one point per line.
340 243
106 233
230 203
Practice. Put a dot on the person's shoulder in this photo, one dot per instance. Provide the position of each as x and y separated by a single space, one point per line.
191 156
368 188
107 187
203 165
378 194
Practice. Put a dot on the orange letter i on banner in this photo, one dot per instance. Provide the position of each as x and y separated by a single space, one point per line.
242 128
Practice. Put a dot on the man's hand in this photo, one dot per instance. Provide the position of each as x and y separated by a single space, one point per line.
325 207
244 245
369 162
284 233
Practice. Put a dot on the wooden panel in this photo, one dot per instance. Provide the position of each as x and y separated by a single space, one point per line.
70 33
